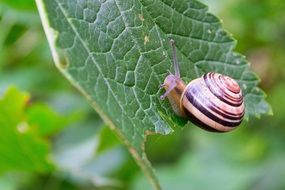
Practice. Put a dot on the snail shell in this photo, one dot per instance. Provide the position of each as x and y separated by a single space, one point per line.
213 102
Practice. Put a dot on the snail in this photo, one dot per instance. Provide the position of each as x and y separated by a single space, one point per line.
213 102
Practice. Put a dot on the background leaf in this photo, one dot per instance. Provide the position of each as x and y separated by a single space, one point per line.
117 53
47 121
18 4
77 153
21 148
221 163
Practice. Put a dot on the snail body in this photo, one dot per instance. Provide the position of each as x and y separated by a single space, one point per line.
213 102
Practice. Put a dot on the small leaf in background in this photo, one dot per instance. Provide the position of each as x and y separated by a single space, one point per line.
107 140
79 154
21 5
21 148
117 53
46 120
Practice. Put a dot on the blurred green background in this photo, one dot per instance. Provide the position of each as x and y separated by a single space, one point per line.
50 138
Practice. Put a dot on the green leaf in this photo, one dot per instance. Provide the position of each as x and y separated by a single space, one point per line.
46 120
107 140
19 4
78 153
117 52
20 146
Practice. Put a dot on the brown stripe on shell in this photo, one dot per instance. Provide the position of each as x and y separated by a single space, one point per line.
217 82
199 123
206 111
201 120
225 82
226 91
208 104
219 92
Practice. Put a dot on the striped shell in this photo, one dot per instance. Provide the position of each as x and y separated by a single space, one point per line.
213 102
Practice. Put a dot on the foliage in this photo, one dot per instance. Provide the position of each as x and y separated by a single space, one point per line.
21 146
79 152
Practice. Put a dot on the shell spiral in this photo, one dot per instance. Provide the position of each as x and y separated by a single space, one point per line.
213 102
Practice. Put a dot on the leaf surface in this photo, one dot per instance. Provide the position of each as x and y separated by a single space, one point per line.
117 52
